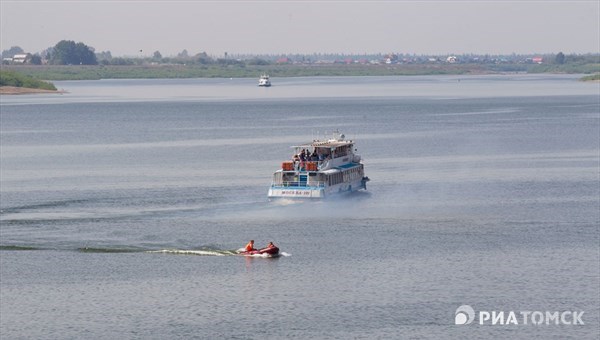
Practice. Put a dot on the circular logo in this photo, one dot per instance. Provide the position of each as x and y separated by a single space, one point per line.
464 315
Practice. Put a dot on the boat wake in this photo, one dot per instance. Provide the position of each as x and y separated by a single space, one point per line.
128 249
195 252
286 201
212 252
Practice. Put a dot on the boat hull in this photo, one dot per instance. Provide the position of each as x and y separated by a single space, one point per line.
273 251
289 192
316 192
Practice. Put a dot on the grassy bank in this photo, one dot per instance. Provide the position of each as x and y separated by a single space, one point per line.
77 72
72 72
593 77
16 79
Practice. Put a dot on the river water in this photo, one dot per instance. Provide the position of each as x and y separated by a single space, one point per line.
121 201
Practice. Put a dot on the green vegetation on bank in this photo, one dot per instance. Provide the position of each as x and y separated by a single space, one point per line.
17 79
593 77
83 72
90 72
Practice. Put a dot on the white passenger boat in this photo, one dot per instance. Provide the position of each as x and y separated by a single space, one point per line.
264 80
320 169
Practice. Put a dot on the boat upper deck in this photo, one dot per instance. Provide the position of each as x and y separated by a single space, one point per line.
325 144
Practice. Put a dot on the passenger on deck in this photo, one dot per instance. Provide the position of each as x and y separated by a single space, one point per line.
270 245
315 156
303 155
250 246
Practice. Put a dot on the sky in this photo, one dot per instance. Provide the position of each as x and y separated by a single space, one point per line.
422 27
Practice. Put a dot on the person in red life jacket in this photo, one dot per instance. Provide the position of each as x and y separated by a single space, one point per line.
250 246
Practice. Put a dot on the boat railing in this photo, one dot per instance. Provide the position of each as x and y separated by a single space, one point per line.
304 165
317 184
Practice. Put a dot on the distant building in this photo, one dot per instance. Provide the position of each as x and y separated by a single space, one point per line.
20 58
452 59
391 58
537 60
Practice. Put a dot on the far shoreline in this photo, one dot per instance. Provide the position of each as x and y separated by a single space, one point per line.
181 71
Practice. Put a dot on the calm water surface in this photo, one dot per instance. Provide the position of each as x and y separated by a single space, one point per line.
122 199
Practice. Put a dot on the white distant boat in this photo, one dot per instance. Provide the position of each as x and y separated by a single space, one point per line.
320 169
264 80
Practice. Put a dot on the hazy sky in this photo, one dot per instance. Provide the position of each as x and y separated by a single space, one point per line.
125 27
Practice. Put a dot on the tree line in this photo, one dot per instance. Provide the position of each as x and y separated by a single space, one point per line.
65 52
68 52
